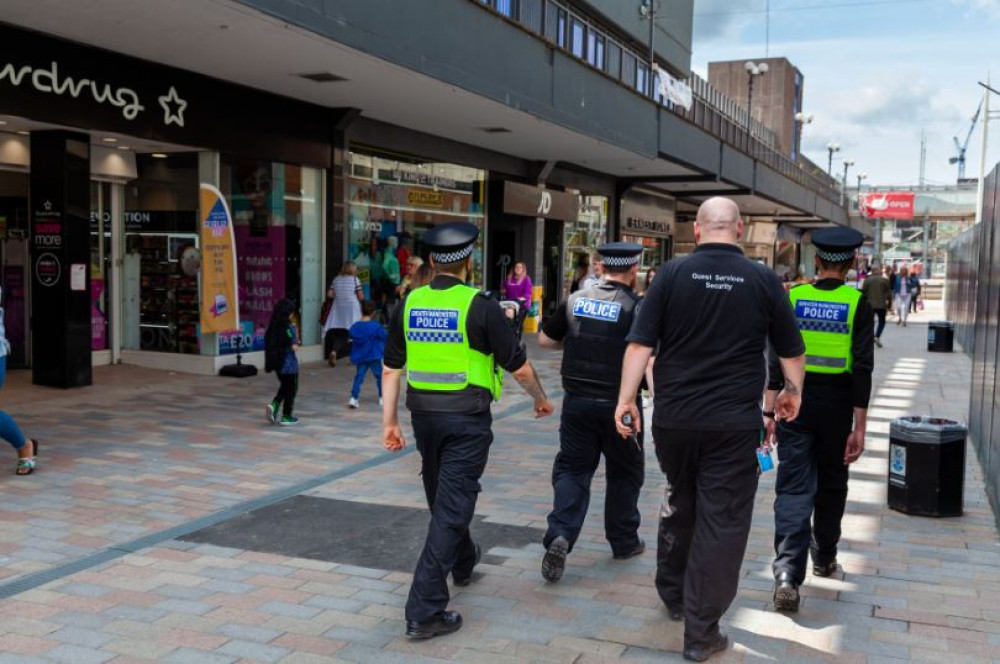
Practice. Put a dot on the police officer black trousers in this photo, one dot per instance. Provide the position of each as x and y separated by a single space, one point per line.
586 431
812 482
704 523
454 449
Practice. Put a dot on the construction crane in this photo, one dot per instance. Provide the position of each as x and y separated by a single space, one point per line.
961 147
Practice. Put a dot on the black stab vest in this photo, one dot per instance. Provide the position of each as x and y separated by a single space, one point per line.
599 320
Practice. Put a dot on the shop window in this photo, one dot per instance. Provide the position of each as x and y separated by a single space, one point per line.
578 33
160 306
583 236
394 201
275 208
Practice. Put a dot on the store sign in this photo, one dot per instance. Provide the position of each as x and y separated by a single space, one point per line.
46 78
52 80
219 299
888 205
648 215
420 198
530 201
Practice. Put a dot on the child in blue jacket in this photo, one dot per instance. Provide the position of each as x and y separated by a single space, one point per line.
367 347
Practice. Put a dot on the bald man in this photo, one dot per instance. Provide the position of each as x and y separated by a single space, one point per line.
712 314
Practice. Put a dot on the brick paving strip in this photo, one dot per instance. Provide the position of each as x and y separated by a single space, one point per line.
913 589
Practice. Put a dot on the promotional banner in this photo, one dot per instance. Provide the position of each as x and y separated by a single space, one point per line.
219 299
887 205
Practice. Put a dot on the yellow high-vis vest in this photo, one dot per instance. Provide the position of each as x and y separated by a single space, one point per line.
438 355
826 321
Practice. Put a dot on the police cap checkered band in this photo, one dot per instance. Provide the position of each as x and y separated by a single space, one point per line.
446 257
620 261
835 256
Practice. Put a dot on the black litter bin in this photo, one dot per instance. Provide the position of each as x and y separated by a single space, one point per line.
940 336
926 466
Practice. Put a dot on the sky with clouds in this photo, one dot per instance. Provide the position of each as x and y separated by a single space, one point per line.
877 73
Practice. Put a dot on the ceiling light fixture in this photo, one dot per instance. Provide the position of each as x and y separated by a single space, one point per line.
2 123
123 147
24 133
158 155
108 139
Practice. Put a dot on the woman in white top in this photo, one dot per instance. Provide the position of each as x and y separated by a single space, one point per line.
346 292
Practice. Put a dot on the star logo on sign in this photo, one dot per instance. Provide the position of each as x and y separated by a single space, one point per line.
48 206
173 108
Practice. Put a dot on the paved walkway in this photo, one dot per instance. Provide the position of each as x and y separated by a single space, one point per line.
91 572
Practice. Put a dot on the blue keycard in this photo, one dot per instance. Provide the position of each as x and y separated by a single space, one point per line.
764 459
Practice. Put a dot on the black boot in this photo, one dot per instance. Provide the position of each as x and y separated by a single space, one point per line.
466 579
442 622
554 561
825 569
786 593
701 653
636 550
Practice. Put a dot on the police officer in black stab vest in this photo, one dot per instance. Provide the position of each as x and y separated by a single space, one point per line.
815 450
455 345
591 326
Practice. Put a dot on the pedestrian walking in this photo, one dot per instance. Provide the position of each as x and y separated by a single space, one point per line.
26 448
591 326
906 286
347 294
918 289
367 347
455 344
816 449
879 293
596 274
711 315
281 341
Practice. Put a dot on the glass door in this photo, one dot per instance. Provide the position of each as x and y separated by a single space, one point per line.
101 225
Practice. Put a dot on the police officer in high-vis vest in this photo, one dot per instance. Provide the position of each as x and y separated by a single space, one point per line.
816 449
591 327
455 344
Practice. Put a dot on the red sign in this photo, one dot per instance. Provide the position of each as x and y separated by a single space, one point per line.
887 205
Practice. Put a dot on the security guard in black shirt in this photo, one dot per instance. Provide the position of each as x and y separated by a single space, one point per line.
815 450
591 326
455 344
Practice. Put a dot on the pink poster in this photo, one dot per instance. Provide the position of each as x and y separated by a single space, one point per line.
260 267
98 323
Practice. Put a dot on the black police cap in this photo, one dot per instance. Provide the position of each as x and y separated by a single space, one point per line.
620 254
838 244
451 243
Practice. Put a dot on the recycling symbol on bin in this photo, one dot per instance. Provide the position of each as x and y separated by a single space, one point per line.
897 460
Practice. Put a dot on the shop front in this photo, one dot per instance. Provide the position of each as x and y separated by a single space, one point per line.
582 236
649 220
758 241
393 201
100 211
527 223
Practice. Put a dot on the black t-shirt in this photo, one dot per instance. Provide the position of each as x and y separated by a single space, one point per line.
713 314
488 333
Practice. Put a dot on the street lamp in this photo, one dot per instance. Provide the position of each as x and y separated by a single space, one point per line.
861 176
802 119
831 147
753 69
843 192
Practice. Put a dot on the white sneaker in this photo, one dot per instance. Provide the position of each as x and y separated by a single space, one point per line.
353 403
380 401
